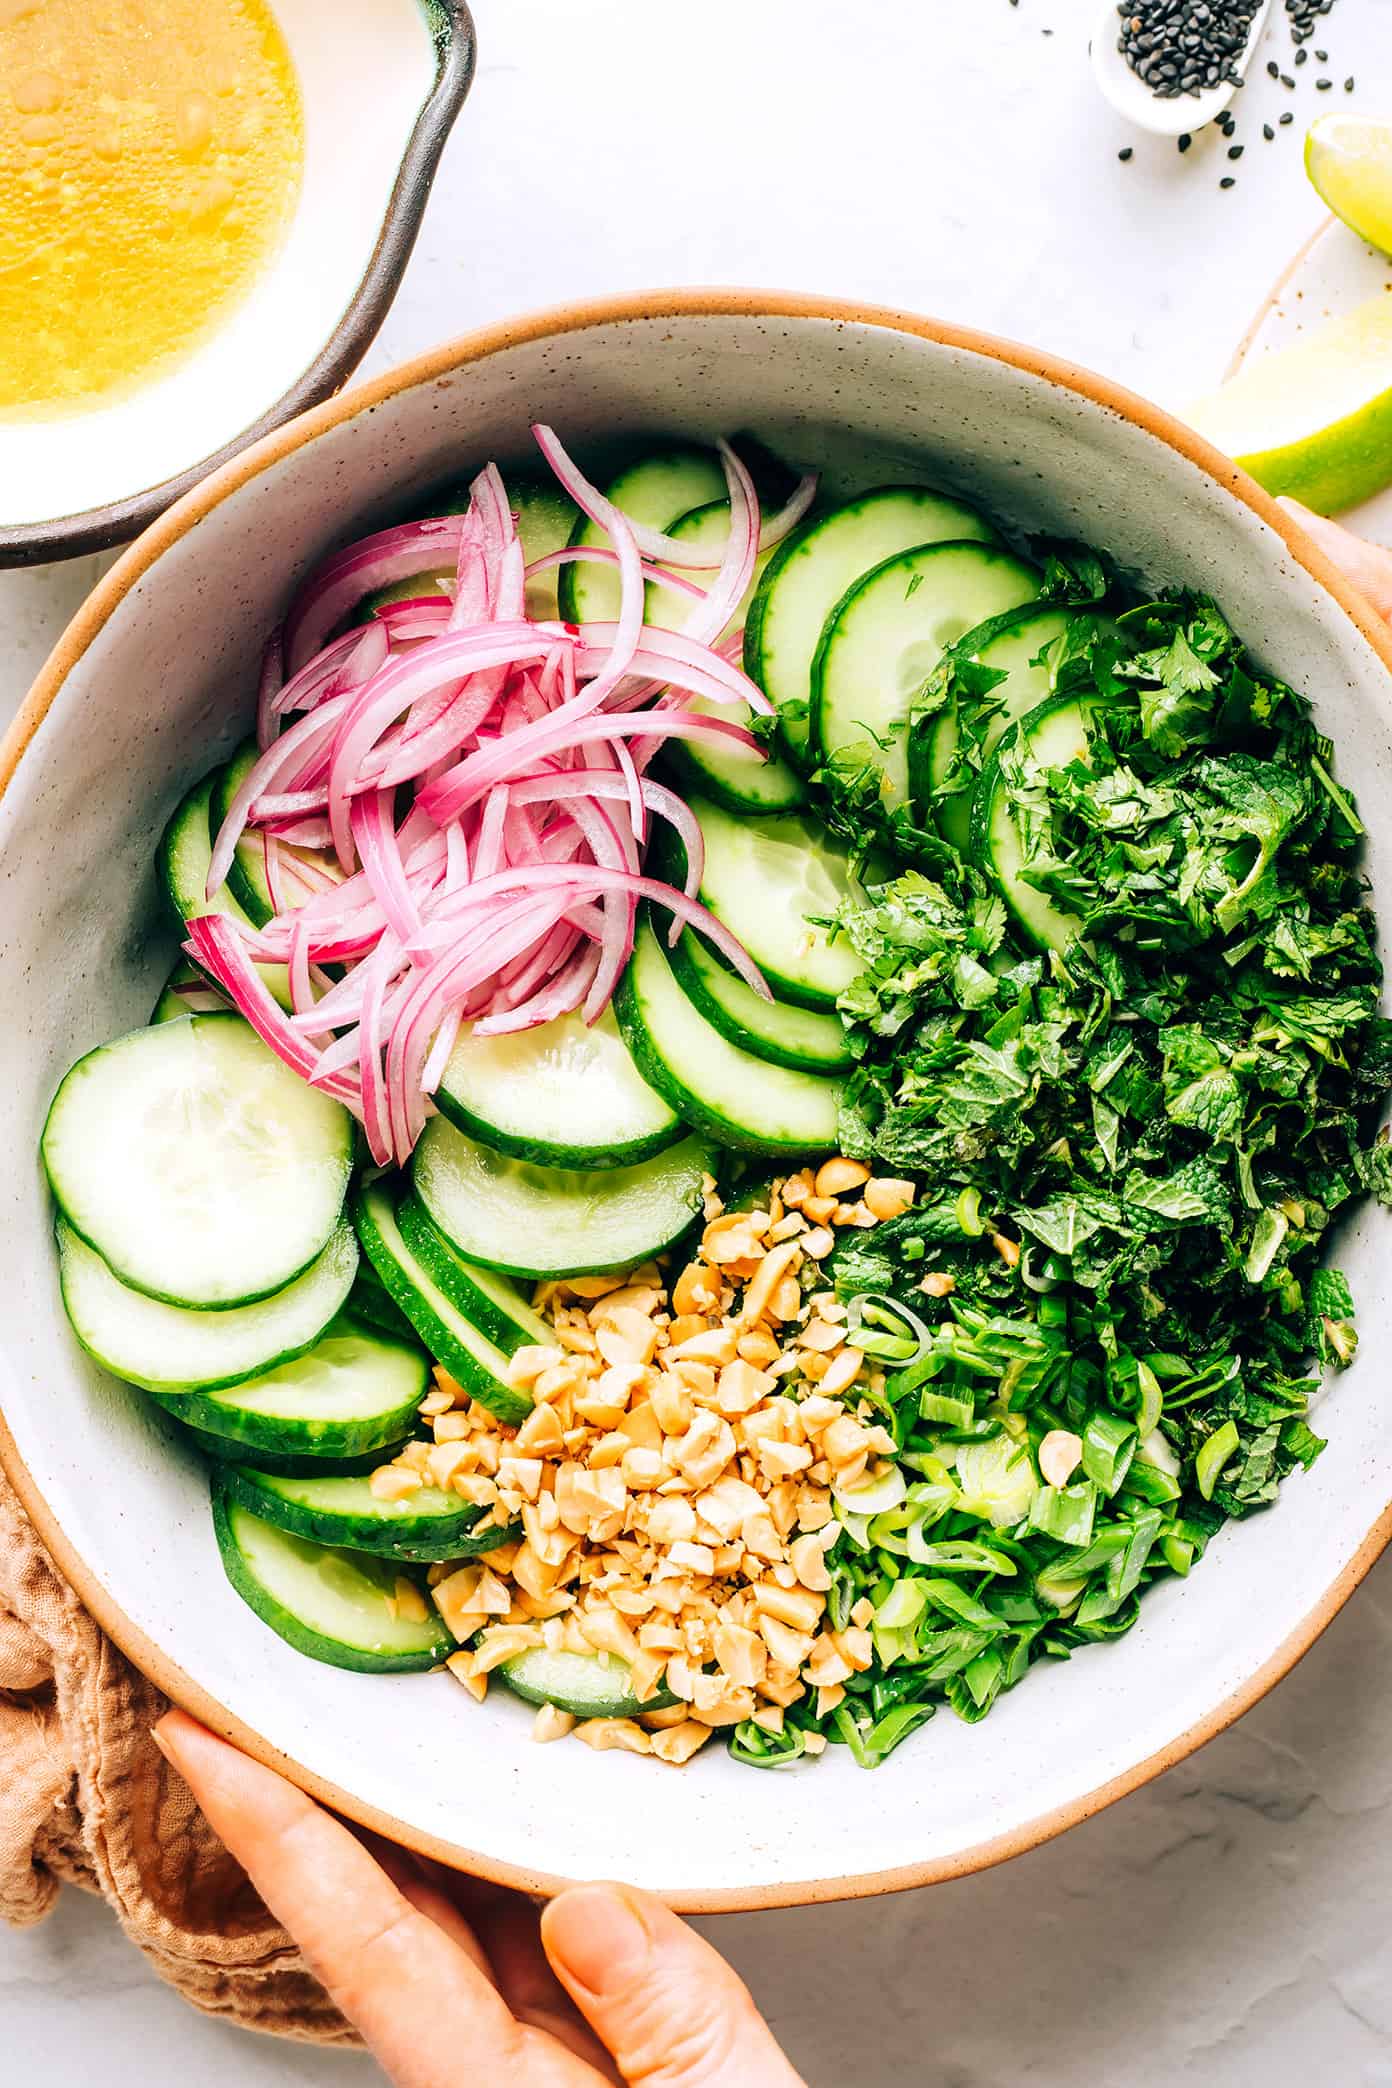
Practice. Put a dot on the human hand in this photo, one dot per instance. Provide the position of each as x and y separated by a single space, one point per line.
1367 565
449 1980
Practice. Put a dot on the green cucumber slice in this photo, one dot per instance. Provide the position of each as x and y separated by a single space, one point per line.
740 1100
885 636
803 1038
551 1221
1051 737
773 878
810 572
427 1525
736 779
589 1685
471 1359
223 1450
490 1302
656 489
246 878
1018 646
200 1168
353 1392
167 1348
184 858
565 1094
186 992
336 1606
371 1302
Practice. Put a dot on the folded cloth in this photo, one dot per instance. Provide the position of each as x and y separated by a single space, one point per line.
87 1799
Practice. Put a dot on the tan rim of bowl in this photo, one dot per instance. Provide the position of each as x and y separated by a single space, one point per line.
107 597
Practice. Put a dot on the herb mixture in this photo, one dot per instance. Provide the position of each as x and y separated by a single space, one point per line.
1134 1154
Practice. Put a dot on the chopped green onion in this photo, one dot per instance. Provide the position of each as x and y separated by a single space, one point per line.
903 1606
944 1408
1109 1444
968 1214
1065 1513
946 1595
1213 1456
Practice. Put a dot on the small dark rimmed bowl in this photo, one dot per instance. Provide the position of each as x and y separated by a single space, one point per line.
382 86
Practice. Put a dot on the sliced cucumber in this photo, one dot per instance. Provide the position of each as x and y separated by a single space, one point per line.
803 1038
490 1302
884 638
566 1094
736 779
223 1450
654 490
185 857
588 1685
427 1525
1019 646
471 1359
372 1303
740 1100
166 1348
545 518
811 571
551 1221
340 1607
247 881
186 992
774 879
1049 737
353 1392
197 1164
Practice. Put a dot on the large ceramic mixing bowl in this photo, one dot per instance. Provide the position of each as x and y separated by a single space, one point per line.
154 681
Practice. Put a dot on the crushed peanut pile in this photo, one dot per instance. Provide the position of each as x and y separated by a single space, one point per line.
675 1480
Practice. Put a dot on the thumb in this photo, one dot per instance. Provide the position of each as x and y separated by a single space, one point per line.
666 2005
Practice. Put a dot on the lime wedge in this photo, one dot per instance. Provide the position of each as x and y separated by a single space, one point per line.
1314 420
1349 160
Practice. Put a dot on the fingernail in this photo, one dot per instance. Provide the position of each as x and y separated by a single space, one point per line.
158 1738
597 1935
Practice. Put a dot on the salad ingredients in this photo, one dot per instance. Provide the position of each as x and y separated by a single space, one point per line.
1059 968
503 892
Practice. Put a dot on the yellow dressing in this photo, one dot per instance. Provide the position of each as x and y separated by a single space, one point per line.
150 156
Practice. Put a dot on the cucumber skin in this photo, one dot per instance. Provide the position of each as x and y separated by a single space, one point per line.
445 1269
699 1114
249 1435
508 1406
312 1643
800 758
690 775
418 1540
734 1032
225 1450
540 1152
979 846
622 1704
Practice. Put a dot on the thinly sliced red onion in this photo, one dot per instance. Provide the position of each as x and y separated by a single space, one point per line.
653 544
335 588
600 554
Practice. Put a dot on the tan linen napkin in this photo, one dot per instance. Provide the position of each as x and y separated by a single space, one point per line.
87 1799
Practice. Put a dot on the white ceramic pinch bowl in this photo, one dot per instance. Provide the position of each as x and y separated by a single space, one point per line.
154 680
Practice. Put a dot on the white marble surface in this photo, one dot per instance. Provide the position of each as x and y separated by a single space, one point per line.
1232 1924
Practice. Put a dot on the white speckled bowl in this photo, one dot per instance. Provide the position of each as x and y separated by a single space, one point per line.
154 680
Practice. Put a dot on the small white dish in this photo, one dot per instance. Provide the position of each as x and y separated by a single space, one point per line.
1167 115
381 82
90 773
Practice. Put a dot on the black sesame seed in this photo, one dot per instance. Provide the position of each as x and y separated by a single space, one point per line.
1348 84
1323 86
1323 57
1301 56
1267 132
1125 153
1236 151
1185 141
1273 69
1289 117
1228 181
